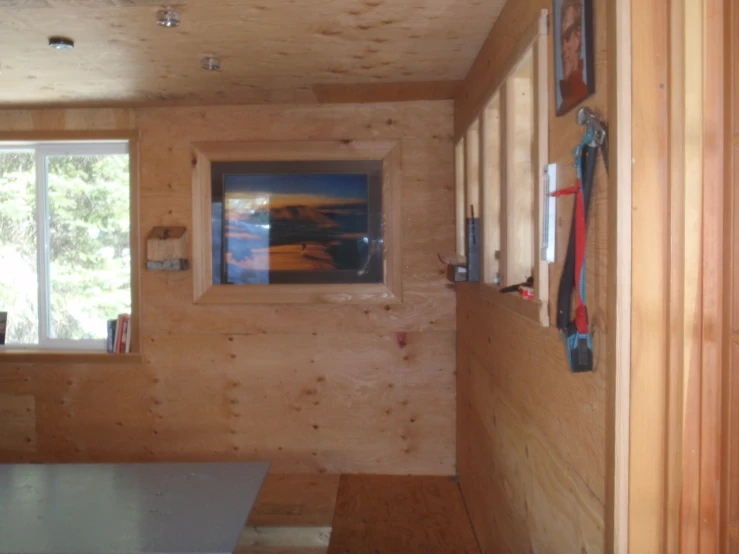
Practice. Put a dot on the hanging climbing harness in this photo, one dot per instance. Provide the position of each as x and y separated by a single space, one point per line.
577 333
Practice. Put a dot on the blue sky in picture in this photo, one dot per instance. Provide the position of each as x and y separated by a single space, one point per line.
325 188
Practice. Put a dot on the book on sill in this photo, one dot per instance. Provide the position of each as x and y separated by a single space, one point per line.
119 335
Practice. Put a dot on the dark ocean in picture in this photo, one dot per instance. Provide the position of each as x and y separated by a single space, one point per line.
293 223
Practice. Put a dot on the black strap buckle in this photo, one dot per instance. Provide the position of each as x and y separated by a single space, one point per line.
579 350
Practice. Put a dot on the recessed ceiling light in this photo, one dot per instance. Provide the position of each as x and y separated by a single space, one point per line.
210 63
168 18
61 43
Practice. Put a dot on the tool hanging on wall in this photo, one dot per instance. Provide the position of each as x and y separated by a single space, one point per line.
473 246
576 333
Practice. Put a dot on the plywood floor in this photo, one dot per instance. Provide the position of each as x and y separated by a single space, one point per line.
388 514
357 514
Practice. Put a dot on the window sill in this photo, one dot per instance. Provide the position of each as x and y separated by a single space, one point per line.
534 310
299 294
30 356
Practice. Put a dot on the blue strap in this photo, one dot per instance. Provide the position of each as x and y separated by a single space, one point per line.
587 138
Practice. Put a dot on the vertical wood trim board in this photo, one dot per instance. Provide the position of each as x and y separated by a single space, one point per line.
650 262
712 323
619 282
729 524
540 160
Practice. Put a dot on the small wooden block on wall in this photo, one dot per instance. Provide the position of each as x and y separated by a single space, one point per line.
166 249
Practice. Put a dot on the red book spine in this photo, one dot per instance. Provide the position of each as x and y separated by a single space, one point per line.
118 334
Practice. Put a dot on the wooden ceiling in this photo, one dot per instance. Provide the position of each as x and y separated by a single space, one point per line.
270 50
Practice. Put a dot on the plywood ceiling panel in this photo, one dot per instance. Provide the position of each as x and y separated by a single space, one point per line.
270 50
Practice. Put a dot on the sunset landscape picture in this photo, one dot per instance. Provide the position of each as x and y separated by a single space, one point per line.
293 223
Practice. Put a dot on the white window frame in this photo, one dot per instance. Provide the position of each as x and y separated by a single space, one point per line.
43 150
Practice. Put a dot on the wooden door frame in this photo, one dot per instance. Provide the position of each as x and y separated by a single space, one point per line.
619 275
731 271
667 192
667 344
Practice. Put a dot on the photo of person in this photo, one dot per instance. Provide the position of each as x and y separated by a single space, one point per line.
573 53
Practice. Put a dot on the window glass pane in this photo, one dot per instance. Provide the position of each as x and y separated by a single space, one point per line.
491 190
521 187
297 222
289 225
89 245
460 194
18 239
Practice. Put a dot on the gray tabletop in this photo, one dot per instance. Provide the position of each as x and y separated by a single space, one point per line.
126 508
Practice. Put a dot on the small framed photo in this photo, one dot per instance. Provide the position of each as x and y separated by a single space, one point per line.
574 64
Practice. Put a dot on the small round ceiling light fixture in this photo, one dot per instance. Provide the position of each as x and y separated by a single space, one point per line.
168 18
61 43
210 63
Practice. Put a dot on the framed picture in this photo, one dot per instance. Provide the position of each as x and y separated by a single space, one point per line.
573 53
297 222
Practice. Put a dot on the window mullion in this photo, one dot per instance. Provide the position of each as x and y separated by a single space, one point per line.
42 230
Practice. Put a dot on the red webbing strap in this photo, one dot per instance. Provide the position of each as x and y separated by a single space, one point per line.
581 312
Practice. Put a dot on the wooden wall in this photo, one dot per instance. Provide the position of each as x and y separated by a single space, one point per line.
312 388
531 436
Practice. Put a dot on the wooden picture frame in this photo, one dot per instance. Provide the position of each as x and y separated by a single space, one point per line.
574 55
208 292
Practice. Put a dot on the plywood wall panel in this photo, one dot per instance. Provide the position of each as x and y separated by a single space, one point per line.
519 489
532 373
307 390
18 422
310 388
66 120
530 395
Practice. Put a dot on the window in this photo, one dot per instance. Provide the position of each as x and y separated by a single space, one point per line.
500 178
65 246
